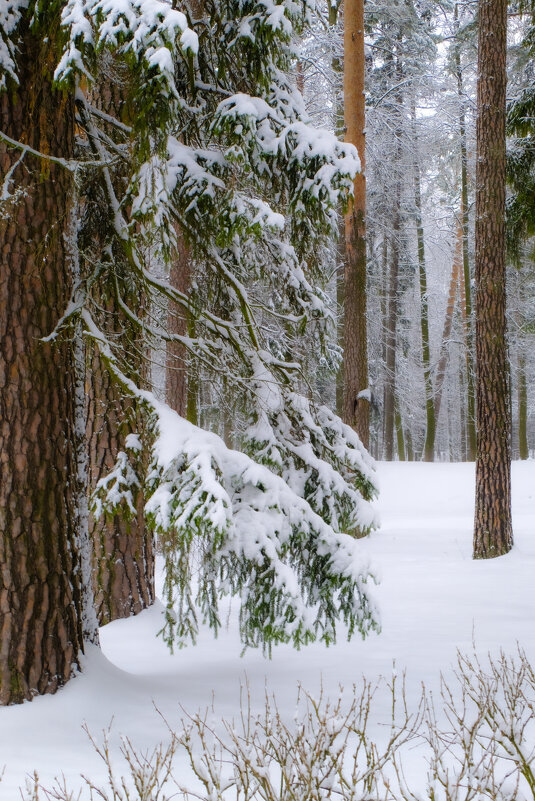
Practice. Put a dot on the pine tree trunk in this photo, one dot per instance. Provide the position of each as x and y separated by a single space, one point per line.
82 514
471 415
448 322
340 329
400 438
393 288
462 414
356 406
523 449
339 126
430 431
123 549
410 449
383 300
391 334
493 534
40 581
176 378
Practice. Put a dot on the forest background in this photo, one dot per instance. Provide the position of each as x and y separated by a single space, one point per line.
173 186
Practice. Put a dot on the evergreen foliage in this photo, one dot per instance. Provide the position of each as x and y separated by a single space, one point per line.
220 153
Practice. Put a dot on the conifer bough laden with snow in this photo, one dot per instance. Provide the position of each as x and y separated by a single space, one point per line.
219 153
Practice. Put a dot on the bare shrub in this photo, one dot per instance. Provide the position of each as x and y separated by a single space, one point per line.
325 752
478 737
148 774
481 743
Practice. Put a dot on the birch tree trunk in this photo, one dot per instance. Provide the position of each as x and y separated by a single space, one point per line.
493 533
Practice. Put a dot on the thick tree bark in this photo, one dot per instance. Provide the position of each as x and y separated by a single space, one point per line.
493 534
123 549
356 405
40 578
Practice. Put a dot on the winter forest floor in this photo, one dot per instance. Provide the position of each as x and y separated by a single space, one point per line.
433 600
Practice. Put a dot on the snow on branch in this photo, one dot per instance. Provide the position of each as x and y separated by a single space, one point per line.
10 14
149 28
229 525
252 535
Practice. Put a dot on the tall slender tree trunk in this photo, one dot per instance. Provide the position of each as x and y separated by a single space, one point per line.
462 413
448 322
430 431
523 449
356 392
337 69
383 299
409 447
176 378
391 333
493 533
82 515
471 414
393 288
400 436
181 384
41 593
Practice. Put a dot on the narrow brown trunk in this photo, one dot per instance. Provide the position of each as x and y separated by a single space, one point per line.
471 416
430 432
356 392
400 437
391 334
176 383
493 533
448 321
340 329
383 299
462 413
338 105
393 289
410 449
300 79
523 449
40 580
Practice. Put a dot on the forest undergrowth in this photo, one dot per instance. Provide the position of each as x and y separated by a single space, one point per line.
475 740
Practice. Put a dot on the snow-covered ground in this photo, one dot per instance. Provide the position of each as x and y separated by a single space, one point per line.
433 599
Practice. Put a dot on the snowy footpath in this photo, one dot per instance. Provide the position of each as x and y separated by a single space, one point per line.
433 599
